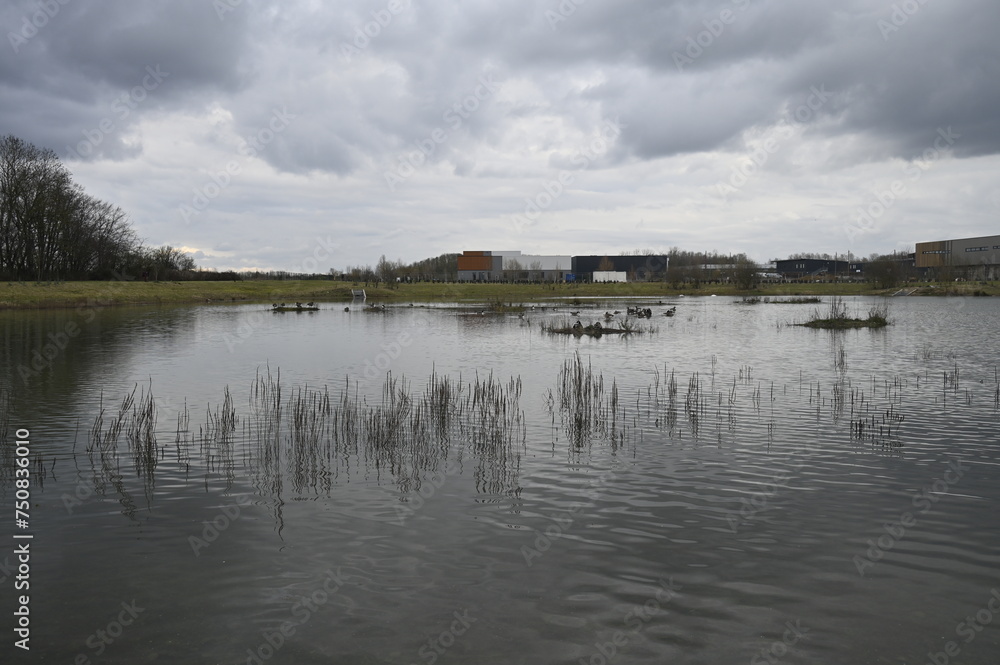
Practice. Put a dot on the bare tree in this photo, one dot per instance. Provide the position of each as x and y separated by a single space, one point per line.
167 262
49 227
884 270
746 273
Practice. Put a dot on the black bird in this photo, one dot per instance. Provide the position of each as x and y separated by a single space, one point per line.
347 309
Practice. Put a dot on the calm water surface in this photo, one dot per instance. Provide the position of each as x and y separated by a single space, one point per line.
733 489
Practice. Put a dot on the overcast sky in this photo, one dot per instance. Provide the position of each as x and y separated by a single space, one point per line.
260 134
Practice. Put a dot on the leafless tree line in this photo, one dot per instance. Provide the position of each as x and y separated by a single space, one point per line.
50 229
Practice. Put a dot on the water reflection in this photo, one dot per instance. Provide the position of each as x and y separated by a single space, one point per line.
311 440
723 449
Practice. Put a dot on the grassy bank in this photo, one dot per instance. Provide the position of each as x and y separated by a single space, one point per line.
27 295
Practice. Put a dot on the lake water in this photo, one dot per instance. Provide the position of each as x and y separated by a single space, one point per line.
725 488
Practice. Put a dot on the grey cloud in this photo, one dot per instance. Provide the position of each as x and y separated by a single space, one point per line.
886 93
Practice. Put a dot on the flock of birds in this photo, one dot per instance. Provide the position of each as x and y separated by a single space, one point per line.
608 316
640 312
297 305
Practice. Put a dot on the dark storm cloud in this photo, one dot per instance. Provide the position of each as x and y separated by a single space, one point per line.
363 113
92 69
685 76
702 73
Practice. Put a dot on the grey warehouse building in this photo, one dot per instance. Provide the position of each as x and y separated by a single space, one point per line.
973 258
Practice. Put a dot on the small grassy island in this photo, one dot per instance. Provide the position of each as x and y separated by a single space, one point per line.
613 327
837 318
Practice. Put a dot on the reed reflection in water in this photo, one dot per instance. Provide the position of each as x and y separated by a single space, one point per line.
314 439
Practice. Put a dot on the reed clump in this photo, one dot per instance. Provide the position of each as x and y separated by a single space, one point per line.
837 317
311 436
588 410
